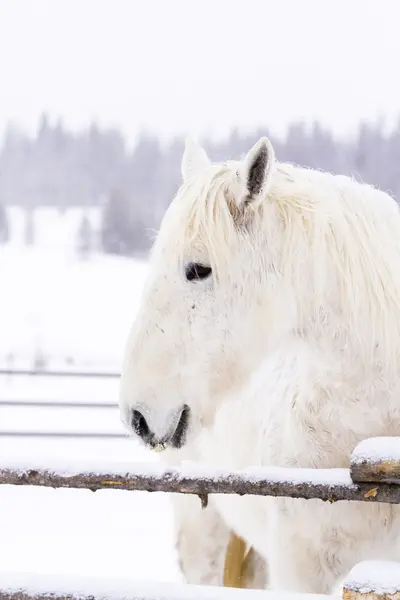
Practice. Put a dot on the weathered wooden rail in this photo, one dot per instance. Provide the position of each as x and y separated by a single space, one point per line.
373 476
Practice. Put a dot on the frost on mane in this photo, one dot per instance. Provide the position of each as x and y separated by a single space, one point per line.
268 335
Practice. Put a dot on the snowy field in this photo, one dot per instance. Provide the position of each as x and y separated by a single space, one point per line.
77 532
59 308
76 314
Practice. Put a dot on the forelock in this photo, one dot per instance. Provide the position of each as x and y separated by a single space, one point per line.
204 213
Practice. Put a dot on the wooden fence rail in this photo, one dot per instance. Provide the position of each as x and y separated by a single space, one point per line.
373 580
373 476
327 485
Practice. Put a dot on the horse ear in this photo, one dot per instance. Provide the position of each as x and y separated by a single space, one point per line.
194 159
257 169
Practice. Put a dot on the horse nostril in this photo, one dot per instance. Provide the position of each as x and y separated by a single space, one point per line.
179 436
139 424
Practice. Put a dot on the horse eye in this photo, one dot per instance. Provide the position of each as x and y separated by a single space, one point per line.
196 272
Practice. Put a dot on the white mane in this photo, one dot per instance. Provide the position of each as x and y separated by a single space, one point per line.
337 243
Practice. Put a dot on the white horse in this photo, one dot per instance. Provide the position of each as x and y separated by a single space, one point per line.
203 540
269 334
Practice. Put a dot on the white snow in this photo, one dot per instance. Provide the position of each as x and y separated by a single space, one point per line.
70 311
102 587
297 476
54 230
78 313
76 532
374 450
253 474
106 467
381 577
66 468
289 475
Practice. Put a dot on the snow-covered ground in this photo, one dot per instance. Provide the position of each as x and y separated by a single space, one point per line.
68 311
77 532
76 313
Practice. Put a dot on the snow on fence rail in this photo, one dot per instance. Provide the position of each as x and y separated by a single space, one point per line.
373 476
378 580
369 580
375 461
37 587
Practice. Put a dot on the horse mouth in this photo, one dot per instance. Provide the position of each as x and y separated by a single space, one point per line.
177 438
158 446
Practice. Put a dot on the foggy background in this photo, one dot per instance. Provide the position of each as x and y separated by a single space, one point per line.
96 98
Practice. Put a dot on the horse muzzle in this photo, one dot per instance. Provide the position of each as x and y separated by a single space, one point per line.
177 432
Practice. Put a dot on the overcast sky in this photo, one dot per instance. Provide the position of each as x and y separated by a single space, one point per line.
198 66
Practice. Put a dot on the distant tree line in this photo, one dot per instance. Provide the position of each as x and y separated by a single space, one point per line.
134 186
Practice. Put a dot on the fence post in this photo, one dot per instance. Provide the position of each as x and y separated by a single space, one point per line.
373 580
376 460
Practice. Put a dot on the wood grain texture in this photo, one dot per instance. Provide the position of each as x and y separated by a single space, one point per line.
376 471
202 485
360 595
